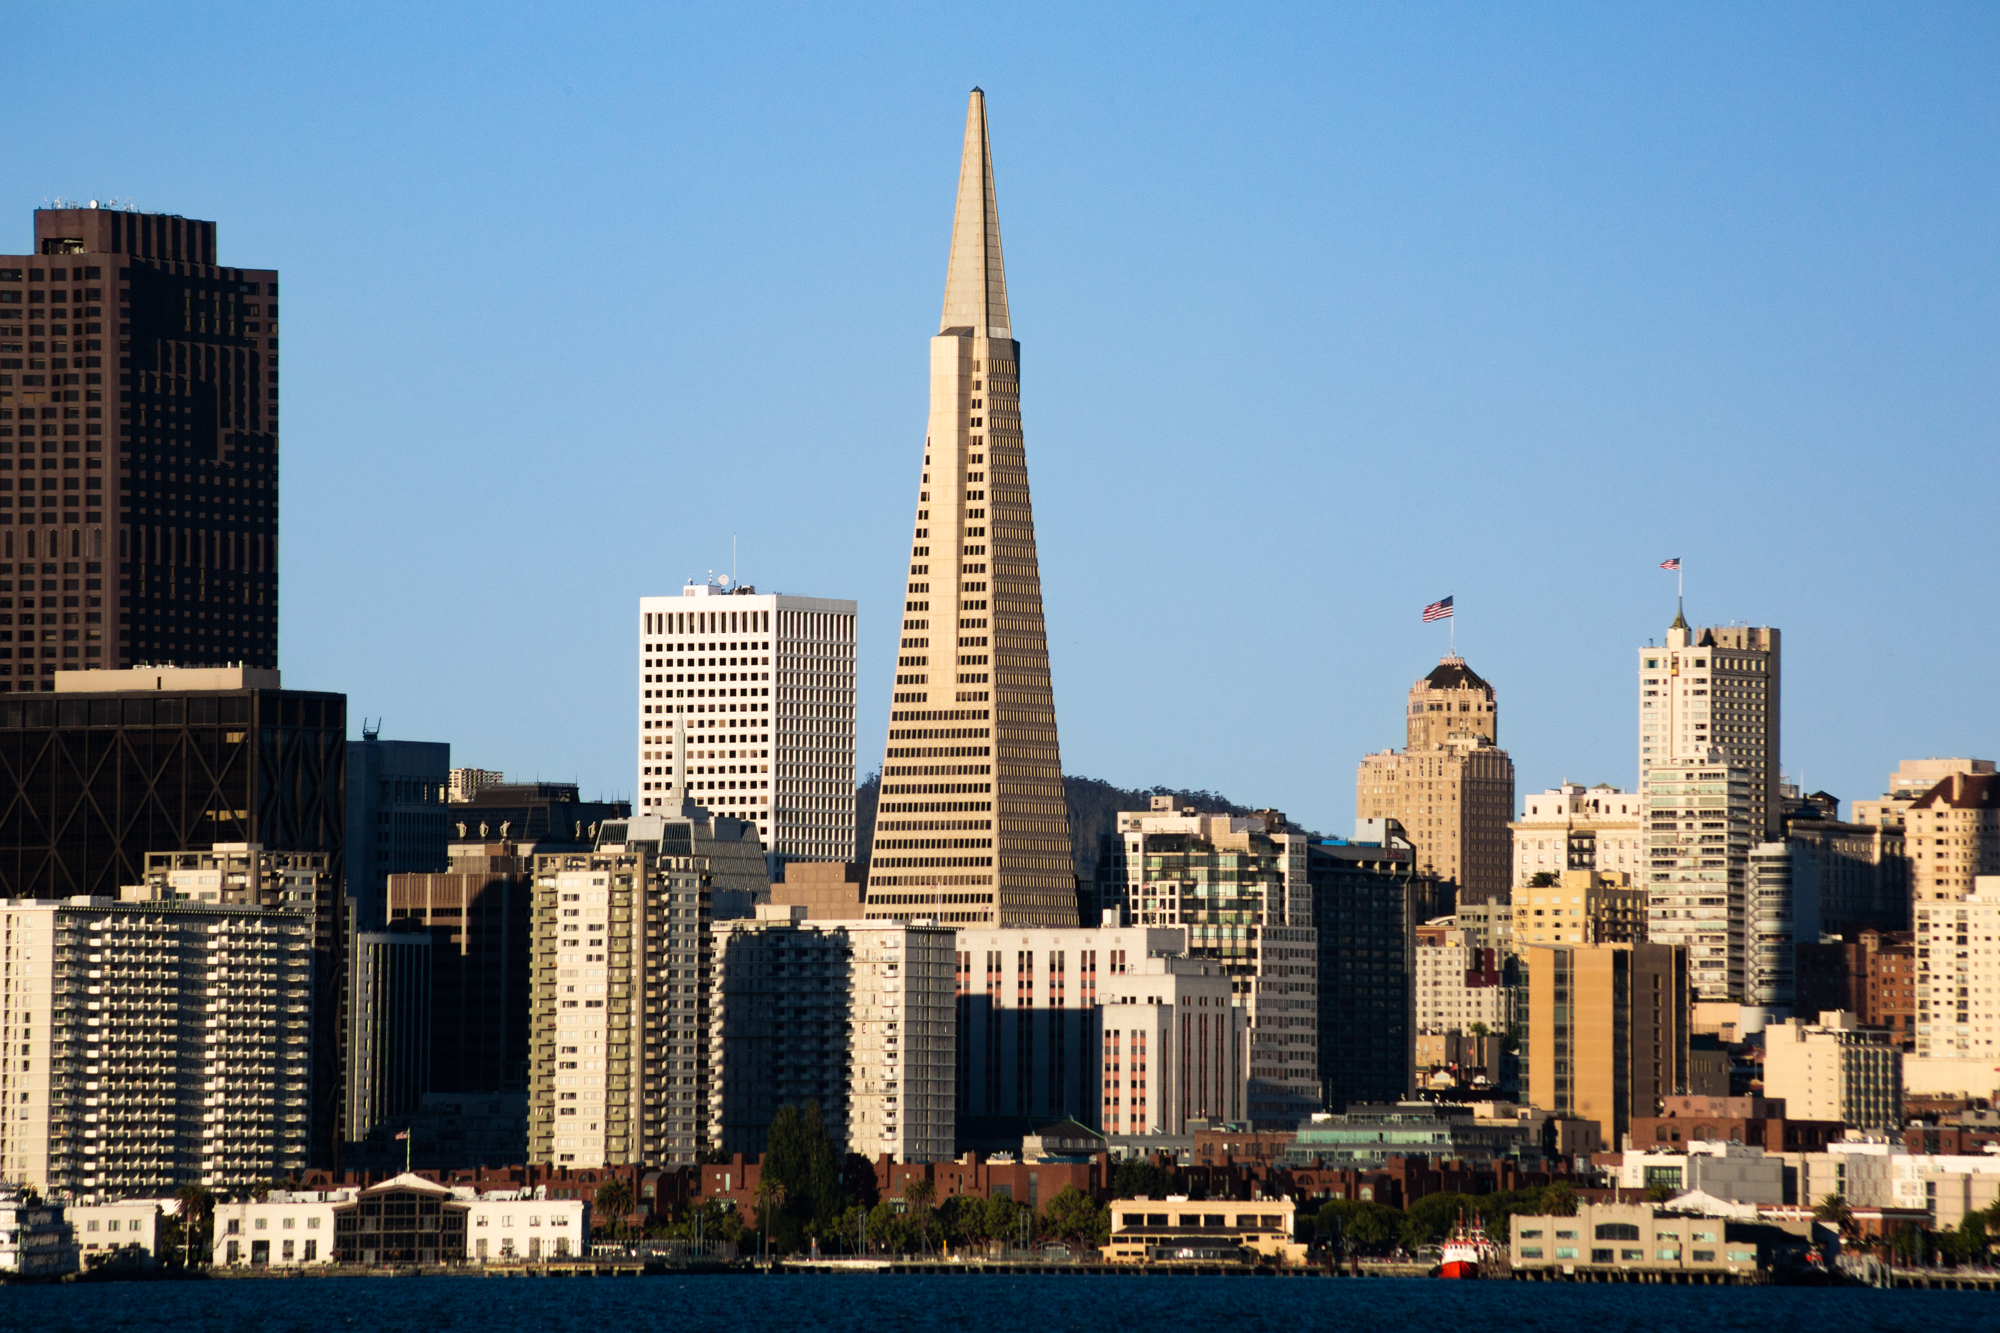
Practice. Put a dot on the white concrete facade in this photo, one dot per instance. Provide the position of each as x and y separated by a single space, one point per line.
127 1227
1573 827
1446 964
1697 886
746 706
153 1044
1958 975
1834 1070
1715 688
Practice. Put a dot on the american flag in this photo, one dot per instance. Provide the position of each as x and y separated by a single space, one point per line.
1674 563
1437 611
404 1135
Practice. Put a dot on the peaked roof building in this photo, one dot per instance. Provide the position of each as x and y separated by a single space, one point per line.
972 826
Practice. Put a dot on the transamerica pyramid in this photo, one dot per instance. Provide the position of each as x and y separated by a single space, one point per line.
971 826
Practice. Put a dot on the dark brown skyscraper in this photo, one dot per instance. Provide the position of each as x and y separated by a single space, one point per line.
139 436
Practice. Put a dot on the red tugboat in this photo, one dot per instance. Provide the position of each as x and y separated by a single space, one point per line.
1466 1249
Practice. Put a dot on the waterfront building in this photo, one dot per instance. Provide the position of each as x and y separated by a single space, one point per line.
972 823
154 1044
746 705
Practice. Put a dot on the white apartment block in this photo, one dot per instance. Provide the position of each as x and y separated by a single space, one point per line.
1835 1070
1028 1018
1701 822
618 1029
856 1015
1958 975
149 1045
1238 886
1573 827
1457 984
746 707
1715 688
1174 1047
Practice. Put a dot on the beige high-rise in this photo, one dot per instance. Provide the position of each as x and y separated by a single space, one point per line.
972 826
1715 688
1451 787
1607 1030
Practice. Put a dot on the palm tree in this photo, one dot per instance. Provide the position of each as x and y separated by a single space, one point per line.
197 1206
614 1201
770 1198
920 1194
1834 1211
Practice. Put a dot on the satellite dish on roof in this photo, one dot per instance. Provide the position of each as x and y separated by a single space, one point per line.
722 580
93 203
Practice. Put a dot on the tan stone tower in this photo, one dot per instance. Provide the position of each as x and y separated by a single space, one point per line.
971 826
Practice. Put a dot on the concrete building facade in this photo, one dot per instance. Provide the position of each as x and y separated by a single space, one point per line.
1451 787
622 963
1958 975
151 1045
388 1046
1573 827
1716 688
1581 907
1835 1069
1781 913
1239 886
972 823
856 1015
1702 824
1952 836
771 745
1607 1030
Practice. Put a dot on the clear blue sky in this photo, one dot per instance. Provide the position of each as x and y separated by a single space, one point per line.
1325 313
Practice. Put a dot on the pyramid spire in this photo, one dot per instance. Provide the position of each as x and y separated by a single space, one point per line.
975 284
1680 617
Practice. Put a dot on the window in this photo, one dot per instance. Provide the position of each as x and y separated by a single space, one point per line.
1565 1251
1704 1256
1601 1256
1742 1256
1531 1251
1617 1231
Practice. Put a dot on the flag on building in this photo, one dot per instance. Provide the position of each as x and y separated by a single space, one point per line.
1437 611
403 1134
1674 563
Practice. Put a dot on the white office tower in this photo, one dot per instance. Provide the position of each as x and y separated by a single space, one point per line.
153 1044
1715 688
1696 890
855 1015
746 705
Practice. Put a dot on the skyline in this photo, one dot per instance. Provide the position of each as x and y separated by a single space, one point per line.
1542 283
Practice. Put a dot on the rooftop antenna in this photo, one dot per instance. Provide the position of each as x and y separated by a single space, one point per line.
732 558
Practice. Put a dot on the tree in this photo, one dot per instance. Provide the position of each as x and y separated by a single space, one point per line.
800 1159
1542 879
613 1203
1075 1217
771 1195
191 1236
1359 1226
1431 1218
1141 1179
919 1195
1833 1211
1558 1199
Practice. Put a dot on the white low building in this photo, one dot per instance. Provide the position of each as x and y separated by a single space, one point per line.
446 1224
1727 1171
129 1228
